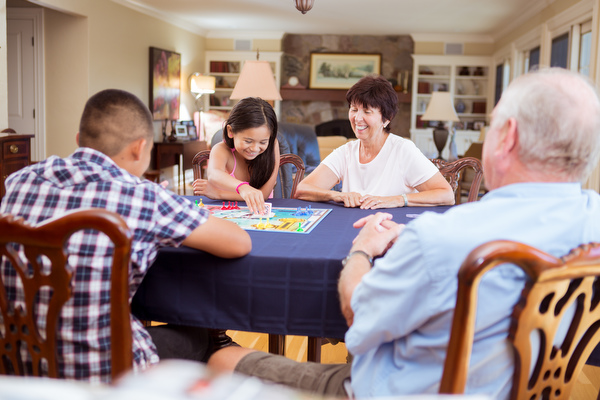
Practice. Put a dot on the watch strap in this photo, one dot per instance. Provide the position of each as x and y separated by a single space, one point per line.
351 254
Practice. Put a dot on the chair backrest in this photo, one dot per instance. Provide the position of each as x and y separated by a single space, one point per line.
559 293
202 157
199 160
47 241
454 171
299 175
329 143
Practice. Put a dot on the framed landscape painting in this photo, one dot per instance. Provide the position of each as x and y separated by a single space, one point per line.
165 78
341 70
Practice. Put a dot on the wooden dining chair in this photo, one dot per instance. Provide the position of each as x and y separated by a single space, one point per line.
454 172
554 287
202 157
45 267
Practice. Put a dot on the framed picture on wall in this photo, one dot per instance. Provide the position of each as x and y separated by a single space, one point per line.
341 70
165 78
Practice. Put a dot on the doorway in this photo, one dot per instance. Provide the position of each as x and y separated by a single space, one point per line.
25 59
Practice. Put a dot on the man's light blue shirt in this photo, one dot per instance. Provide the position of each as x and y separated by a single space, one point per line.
403 307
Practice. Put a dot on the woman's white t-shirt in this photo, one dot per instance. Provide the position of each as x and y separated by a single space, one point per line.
397 169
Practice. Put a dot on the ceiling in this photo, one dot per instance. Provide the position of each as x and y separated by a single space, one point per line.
489 18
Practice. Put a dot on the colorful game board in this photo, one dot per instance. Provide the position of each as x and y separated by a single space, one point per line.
294 220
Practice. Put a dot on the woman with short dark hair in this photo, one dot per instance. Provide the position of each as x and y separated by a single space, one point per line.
380 169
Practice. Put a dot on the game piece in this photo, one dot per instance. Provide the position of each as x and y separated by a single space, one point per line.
196 203
304 212
201 203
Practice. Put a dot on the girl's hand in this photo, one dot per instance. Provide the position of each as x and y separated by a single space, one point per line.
254 198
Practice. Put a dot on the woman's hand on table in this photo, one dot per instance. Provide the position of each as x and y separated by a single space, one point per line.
370 202
350 199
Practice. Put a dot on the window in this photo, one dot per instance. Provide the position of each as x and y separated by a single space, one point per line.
534 59
502 79
585 48
559 55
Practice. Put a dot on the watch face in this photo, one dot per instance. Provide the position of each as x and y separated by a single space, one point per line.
293 81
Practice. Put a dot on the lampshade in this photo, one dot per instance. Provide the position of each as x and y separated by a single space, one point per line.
201 84
256 80
440 108
304 5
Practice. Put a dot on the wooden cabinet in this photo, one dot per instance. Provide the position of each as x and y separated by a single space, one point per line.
467 78
15 154
226 66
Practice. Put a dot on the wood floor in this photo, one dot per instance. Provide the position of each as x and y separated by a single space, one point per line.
586 388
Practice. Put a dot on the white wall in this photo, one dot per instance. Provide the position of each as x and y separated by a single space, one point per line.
93 45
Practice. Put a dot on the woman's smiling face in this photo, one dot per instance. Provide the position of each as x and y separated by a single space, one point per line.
365 122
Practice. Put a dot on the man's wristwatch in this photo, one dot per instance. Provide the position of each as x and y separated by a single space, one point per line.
369 258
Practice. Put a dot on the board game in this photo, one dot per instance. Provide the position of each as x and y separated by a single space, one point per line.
280 219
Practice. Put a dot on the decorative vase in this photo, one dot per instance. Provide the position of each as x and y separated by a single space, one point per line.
460 107
453 156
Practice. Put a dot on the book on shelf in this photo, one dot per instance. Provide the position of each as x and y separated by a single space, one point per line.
219 66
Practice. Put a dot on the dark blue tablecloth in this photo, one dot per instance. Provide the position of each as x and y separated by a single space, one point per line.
286 285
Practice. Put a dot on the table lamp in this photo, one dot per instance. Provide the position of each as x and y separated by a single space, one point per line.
256 80
199 85
440 109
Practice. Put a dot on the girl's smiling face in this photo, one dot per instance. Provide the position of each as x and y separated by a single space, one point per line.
250 142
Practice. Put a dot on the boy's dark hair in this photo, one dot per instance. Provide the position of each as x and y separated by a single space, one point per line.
112 119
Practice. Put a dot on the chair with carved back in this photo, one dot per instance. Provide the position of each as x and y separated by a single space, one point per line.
453 172
202 157
45 266
559 293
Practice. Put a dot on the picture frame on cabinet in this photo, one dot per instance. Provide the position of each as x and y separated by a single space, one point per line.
165 78
341 70
181 131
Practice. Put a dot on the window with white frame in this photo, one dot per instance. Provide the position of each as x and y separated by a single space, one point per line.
532 59
502 79
585 48
559 51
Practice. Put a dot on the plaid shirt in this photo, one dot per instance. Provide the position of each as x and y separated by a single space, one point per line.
157 218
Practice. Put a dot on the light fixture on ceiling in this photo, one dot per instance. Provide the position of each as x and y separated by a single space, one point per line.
304 5
199 85
440 109
256 80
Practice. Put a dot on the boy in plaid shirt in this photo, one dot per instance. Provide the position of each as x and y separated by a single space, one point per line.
115 138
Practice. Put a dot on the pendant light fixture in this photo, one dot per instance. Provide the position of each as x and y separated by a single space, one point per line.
304 5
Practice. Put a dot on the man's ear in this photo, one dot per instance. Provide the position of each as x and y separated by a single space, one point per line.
510 136
137 148
77 139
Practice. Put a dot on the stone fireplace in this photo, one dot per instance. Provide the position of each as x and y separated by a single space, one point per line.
317 106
